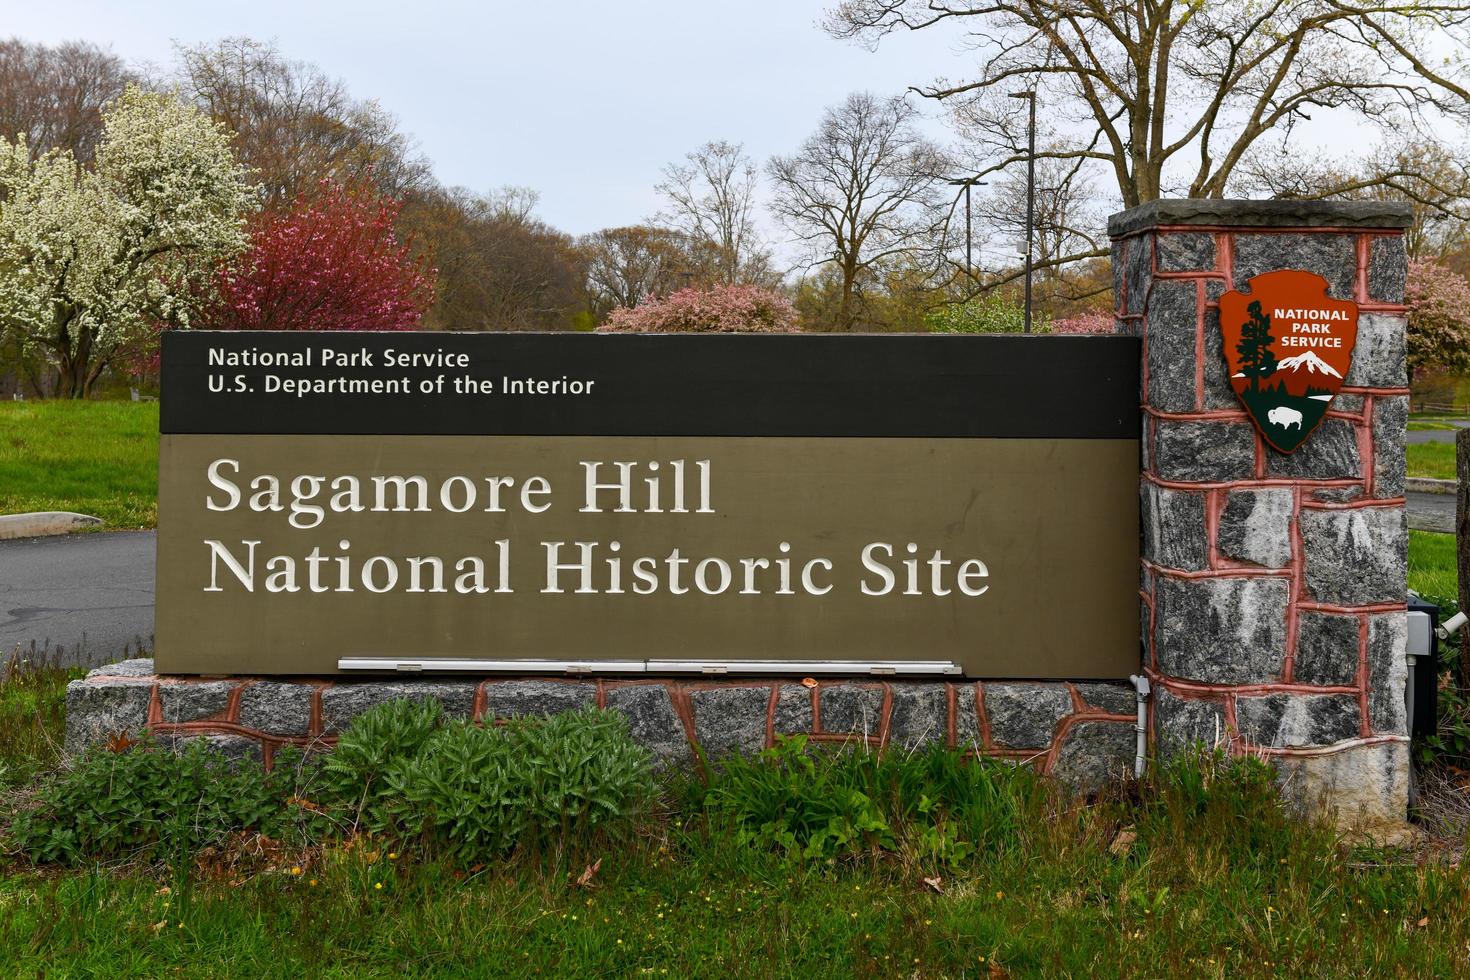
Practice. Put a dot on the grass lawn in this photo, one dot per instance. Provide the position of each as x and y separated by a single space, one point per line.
1435 460
1432 570
1179 878
98 458
1430 425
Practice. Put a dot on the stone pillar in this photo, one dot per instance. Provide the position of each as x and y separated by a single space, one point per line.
1273 586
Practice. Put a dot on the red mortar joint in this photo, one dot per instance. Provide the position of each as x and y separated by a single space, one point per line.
1364 676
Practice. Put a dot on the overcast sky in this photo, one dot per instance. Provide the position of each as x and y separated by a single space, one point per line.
583 100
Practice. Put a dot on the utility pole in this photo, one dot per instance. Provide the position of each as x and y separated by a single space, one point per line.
967 183
1030 96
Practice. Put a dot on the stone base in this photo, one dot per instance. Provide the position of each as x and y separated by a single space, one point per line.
1081 733
1362 788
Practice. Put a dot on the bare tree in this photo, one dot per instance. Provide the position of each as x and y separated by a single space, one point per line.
296 125
500 268
711 198
1171 96
55 95
1431 178
627 265
863 190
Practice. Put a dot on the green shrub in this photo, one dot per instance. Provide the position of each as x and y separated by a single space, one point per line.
990 312
380 740
153 801
478 793
823 805
399 771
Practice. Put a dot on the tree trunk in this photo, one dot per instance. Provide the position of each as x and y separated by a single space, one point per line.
1462 541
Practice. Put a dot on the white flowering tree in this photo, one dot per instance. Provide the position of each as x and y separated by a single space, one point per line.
93 259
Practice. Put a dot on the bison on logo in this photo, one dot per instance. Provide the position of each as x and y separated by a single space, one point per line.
1288 346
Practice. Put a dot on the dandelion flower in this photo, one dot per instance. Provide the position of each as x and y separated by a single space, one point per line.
295 870
378 885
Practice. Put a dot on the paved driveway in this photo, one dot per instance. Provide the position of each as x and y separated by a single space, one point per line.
89 594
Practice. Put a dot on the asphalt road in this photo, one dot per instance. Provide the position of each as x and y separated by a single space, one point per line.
91 595
1414 436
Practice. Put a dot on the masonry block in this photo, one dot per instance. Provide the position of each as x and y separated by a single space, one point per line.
1172 353
1180 723
652 720
1390 420
1096 753
850 709
1388 671
1115 699
1173 526
191 702
1388 267
1255 527
1025 716
1379 359
1218 394
1330 453
514 699
967 734
1283 720
793 710
1203 452
1327 649
1138 272
96 712
1331 255
920 715
1186 251
341 703
1221 630
277 708
730 719
1356 557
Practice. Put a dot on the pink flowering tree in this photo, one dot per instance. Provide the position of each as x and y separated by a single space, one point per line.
1439 318
1091 322
332 261
720 309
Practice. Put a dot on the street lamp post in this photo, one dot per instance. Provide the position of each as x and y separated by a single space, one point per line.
967 183
1030 96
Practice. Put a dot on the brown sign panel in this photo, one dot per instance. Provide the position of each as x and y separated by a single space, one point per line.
309 552
1288 346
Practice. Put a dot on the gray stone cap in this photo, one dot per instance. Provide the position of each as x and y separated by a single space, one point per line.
1260 214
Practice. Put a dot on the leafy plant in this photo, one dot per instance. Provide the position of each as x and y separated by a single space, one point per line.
990 312
153 801
477 792
377 741
819 806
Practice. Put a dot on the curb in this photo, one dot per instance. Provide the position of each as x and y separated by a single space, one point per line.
1423 484
43 523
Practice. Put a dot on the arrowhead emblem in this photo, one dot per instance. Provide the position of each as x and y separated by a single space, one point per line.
1288 346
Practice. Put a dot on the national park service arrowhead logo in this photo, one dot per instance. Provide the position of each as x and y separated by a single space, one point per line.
1288 346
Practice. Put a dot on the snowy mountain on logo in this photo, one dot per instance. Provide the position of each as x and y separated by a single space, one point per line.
1310 363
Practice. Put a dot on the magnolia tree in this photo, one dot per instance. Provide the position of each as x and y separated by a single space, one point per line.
91 259
1439 318
331 262
722 309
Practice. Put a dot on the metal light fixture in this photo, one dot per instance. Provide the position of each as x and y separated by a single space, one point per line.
967 183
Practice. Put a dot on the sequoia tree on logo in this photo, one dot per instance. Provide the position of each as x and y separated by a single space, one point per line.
1288 346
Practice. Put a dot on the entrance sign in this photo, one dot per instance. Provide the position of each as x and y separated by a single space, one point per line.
1288 347
335 502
